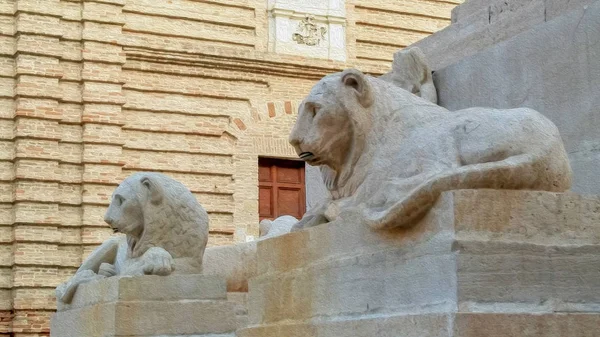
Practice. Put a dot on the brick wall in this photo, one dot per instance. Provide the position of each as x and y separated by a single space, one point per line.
92 91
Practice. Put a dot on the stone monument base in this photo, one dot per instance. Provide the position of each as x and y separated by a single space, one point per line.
176 305
481 263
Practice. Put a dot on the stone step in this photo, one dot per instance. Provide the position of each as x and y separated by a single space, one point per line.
176 305
146 318
439 325
148 288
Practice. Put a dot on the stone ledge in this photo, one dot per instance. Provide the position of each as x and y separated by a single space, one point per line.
146 318
149 288
440 325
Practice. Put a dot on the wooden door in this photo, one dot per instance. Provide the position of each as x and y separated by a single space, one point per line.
281 188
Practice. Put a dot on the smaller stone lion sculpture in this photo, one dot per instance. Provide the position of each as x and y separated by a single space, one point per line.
166 231
272 228
386 154
411 72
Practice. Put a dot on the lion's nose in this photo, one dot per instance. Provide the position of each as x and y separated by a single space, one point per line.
295 138
295 141
108 220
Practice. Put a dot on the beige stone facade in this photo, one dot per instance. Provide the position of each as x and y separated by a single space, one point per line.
92 91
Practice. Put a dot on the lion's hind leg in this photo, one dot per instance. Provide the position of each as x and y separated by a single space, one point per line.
516 172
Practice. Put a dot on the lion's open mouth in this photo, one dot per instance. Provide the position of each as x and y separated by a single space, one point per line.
115 230
306 156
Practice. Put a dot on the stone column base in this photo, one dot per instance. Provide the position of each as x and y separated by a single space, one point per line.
177 305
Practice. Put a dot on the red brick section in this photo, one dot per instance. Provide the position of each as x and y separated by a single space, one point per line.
288 107
240 124
271 107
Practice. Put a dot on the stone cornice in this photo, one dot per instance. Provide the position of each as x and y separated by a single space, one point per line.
255 62
301 15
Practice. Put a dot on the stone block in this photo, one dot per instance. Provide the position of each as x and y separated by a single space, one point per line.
526 324
38 65
102 52
441 325
101 32
176 305
7 129
99 92
39 45
507 257
552 68
38 24
104 11
38 107
149 288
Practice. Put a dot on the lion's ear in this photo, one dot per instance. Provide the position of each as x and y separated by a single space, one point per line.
357 81
155 192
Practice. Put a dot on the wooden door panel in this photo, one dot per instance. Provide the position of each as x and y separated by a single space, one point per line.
290 175
265 202
289 202
281 188
264 173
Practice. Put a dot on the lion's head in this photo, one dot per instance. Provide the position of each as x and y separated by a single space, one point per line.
154 210
333 121
344 121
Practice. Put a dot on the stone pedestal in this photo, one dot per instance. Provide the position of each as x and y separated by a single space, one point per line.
178 305
481 263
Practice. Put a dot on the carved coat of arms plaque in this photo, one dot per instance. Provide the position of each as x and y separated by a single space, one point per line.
309 33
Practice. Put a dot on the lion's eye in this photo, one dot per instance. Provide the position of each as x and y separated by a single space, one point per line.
119 200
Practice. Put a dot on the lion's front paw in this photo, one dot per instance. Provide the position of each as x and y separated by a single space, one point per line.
158 261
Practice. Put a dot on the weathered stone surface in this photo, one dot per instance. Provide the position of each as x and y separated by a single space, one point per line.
526 324
148 288
237 263
478 256
480 24
553 68
441 325
386 154
240 302
148 306
138 318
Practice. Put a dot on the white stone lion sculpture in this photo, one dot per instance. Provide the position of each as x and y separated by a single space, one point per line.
386 154
166 231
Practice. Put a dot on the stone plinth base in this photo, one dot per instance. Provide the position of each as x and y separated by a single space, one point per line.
178 305
481 263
